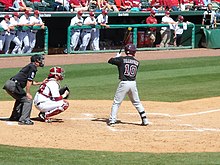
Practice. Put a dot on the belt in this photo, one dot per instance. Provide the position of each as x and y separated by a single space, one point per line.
12 33
38 104
86 32
2 34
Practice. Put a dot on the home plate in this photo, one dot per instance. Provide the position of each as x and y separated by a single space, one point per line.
11 123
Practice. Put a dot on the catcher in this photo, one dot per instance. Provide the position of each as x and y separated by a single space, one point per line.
50 99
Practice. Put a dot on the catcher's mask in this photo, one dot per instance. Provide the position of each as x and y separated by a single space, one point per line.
130 49
57 71
38 58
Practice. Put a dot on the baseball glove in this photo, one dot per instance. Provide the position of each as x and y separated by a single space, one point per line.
64 92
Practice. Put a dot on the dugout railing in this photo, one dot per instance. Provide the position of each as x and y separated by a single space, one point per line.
135 30
43 50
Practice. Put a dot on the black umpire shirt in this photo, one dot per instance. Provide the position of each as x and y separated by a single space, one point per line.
25 74
127 67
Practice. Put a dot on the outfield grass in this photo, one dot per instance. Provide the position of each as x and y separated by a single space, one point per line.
160 80
29 156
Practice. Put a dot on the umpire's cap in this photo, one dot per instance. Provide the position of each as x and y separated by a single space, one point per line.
38 58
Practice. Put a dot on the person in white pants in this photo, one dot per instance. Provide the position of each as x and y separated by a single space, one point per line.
128 68
11 36
75 34
86 33
102 20
36 21
23 33
48 99
5 25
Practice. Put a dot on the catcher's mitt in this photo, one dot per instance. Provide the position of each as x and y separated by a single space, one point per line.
65 92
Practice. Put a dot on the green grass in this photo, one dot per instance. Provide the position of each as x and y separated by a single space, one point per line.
10 155
160 80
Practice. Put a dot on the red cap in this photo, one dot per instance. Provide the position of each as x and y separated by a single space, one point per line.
91 13
79 13
16 14
181 18
27 12
167 12
152 12
7 16
104 12
36 12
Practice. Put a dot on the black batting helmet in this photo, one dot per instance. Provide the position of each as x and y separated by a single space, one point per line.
130 49
38 58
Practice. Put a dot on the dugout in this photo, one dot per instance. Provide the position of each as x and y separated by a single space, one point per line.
58 22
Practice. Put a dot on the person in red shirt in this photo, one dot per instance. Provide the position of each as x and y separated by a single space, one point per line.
7 3
79 5
123 5
152 30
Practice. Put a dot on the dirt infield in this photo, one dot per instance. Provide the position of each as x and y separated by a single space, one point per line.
190 126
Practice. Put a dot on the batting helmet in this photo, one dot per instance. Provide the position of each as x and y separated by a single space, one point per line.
104 12
181 18
36 12
6 16
80 12
167 12
56 71
130 49
16 14
27 12
91 13
152 12
38 58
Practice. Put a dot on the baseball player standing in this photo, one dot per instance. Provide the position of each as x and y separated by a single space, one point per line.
11 36
15 87
77 20
127 67
166 31
48 99
86 33
5 25
102 20
23 31
36 21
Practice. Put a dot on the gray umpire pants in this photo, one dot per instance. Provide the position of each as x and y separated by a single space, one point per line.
23 105
124 88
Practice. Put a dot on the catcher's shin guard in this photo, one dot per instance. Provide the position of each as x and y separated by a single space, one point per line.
57 111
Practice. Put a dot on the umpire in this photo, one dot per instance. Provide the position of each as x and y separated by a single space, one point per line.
15 87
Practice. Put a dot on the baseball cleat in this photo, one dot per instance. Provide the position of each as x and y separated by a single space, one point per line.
43 117
144 122
26 122
111 123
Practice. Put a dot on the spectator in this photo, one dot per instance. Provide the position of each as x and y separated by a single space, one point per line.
86 33
152 30
123 5
136 5
105 5
102 20
79 5
198 4
61 5
75 34
156 5
7 3
19 5
166 31
36 3
5 25
209 17
186 5
36 21
11 36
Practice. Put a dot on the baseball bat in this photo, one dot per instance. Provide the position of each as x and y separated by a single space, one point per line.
126 36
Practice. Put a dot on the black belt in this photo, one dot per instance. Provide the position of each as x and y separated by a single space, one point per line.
86 32
12 33
38 103
2 34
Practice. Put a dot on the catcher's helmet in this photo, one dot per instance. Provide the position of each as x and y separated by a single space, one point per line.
58 71
38 58
130 49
